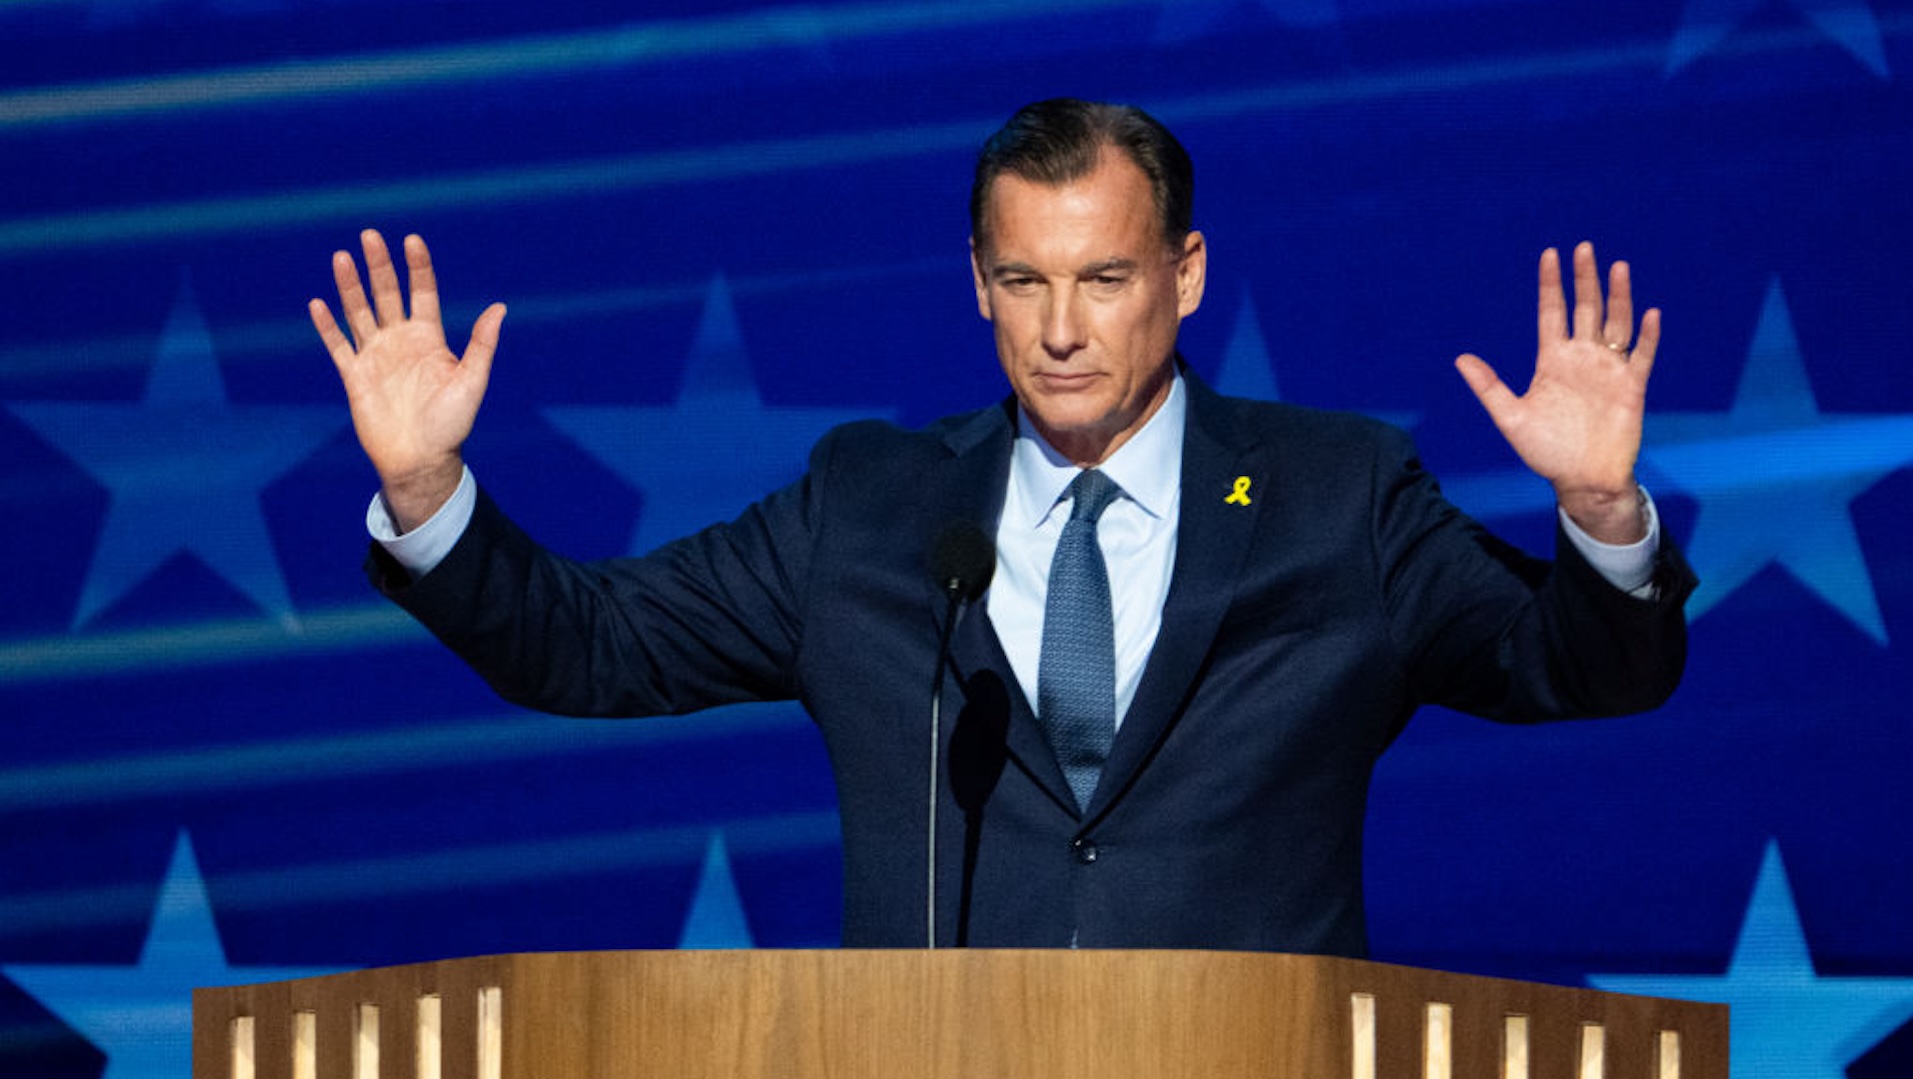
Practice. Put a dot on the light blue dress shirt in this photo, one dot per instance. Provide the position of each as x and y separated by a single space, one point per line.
1137 534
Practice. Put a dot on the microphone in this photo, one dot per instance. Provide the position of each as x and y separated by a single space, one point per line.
962 561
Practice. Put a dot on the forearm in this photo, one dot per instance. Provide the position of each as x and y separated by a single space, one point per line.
681 629
1500 634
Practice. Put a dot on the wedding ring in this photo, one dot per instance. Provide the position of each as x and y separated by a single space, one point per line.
1615 347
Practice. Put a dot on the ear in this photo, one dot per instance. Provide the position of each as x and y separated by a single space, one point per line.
1192 273
982 285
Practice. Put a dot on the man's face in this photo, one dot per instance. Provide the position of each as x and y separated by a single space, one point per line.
1085 299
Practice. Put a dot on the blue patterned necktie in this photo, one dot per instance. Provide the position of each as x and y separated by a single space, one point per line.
1076 672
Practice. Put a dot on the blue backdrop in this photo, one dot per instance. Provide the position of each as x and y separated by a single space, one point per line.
723 227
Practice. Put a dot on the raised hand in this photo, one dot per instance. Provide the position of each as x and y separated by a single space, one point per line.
413 402
1578 425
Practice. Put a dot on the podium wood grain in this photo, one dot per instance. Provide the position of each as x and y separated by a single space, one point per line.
962 1014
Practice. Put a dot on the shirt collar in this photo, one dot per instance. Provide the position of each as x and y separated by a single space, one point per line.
1148 467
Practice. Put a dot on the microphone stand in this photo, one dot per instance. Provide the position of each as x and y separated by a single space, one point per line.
961 563
953 589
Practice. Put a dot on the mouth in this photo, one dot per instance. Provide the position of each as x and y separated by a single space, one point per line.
1066 380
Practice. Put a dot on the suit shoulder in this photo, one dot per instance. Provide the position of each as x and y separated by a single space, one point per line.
1302 429
888 445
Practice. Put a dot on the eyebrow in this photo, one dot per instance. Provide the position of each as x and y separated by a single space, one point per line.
1015 269
1012 269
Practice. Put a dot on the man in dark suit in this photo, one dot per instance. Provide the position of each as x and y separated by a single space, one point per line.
1210 616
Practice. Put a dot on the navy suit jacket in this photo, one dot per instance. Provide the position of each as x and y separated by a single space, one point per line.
1300 633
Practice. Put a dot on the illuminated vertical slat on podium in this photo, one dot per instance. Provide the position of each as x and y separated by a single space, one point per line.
365 1043
1362 1012
305 1045
430 1037
1514 1047
491 1033
1438 1028
242 1052
1669 1053
1593 1051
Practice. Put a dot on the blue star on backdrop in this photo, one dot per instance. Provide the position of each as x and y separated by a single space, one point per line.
1787 1021
716 917
1775 478
1706 24
142 1016
719 447
1248 370
185 468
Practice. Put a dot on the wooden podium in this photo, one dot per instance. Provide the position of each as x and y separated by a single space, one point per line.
960 1014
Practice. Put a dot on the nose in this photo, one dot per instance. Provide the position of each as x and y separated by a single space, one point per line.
1064 327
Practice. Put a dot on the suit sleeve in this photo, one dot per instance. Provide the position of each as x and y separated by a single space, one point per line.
1487 629
713 618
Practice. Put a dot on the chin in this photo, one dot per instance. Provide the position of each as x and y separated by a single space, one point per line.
1073 423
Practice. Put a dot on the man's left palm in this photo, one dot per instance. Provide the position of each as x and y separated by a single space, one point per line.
1578 426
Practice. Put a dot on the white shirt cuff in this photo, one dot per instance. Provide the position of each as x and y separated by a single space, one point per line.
423 548
1628 567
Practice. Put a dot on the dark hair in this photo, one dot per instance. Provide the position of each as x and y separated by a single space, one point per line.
1056 141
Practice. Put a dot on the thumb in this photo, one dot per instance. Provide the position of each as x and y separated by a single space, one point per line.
1488 388
477 360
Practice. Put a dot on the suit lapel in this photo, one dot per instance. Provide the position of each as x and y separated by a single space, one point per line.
970 487
993 701
1214 526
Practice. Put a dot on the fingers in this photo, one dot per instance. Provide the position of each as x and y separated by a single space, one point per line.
388 302
335 343
1619 329
1649 341
386 305
418 272
1606 320
352 302
1587 293
1554 304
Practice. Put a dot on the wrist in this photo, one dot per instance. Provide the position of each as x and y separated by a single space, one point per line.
412 498
1612 517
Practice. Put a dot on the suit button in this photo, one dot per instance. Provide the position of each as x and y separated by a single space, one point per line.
1085 851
